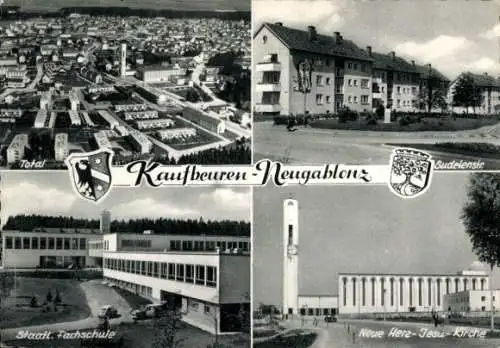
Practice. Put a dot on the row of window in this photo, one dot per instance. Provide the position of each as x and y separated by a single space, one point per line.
406 90
137 288
406 103
318 311
194 274
392 283
136 243
51 243
186 245
354 99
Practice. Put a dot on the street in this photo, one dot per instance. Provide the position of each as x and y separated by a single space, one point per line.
318 146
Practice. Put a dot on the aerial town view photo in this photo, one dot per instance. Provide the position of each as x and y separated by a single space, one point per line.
349 81
171 84
333 267
147 268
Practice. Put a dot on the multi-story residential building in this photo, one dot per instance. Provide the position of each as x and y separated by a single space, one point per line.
155 123
15 151
431 82
141 142
87 119
40 119
11 113
113 122
75 118
160 73
204 120
489 89
168 134
102 140
140 115
395 82
334 72
128 106
61 148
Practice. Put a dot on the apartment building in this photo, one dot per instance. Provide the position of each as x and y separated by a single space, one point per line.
61 148
332 70
175 133
155 123
489 88
15 151
141 142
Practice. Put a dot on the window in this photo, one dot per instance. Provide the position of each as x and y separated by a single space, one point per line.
319 99
355 83
290 234
74 243
355 99
399 103
200 275
327 80
26 242
264 39
143 267
364 83
207 309
189 274
155 269
51 243
180 272
349 99
349 65
171 271
163 271
338 88
310 311
8 242
363 67
59 243
328 99
349 82
319 79
83 242
398 89
66 243
34 242
355 66
338 71
150 268
364 99
211 276
483 298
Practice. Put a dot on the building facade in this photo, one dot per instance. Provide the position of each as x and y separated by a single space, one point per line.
471 301
15 151
61 148
290 257
393 293
489 91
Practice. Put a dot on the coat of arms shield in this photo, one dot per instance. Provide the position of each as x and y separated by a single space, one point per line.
91 173
411 172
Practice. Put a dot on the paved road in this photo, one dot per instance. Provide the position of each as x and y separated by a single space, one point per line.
347 334
318 146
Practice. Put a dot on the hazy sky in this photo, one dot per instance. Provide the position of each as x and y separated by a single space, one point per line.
452 35
360 229
50 193
239 5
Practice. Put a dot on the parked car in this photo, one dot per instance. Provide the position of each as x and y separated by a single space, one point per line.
108 312
149 311
330 319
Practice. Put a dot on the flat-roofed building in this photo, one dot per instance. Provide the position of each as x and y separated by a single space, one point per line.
473 301
87 119
155 123
40 119
175 133
141 142
61 148
130 107
11 113
15 151
113 122
75 118
204 120
102 140
140 115
160 73
52 119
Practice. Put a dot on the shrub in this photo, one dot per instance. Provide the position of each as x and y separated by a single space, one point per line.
49 296
33 302
58 297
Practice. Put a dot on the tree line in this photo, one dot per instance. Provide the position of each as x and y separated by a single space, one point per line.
158 225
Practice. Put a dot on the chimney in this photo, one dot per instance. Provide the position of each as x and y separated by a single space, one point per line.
369 50
279 23
337 37
311 30
393 55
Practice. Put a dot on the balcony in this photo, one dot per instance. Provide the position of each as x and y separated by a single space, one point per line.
268 66
268 87
267 108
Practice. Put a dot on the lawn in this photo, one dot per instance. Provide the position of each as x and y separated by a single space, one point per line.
16 310
482 150
300 339
426 124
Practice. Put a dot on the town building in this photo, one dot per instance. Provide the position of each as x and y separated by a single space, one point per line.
123 59
489 90
75 118
204 120
140 115
333 71
61 148
471 301
40 119
113 122
378 293
87 119
141 142
130 106
15 151
155 123
176 133
160 73
102 140
47 248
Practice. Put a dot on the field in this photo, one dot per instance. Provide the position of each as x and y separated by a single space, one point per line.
16 310
295 338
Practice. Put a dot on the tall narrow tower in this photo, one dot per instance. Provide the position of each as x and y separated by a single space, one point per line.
290 256
105 223
123 59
